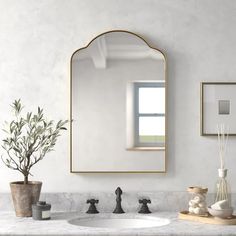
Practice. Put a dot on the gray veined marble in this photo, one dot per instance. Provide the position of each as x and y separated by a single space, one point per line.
161 201
58 225
68 206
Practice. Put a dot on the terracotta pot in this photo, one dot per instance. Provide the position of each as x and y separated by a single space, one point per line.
24 195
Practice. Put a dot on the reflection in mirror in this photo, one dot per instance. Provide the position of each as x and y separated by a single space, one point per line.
118 106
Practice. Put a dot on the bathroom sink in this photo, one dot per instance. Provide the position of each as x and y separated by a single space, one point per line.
121 222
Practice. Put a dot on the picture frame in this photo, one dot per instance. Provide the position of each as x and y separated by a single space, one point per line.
218 106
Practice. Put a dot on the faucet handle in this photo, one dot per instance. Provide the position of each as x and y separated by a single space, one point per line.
92 201
92 208
144 201
144 207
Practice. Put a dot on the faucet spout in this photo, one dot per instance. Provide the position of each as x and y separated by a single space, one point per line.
118 209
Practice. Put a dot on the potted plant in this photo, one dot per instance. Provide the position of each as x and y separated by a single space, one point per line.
29 138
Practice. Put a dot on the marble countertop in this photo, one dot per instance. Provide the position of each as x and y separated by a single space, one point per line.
58 225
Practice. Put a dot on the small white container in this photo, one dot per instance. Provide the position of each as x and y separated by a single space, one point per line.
223 213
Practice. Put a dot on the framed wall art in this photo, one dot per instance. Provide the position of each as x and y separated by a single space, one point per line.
218 106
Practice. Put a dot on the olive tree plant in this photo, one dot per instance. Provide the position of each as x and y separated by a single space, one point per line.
29 138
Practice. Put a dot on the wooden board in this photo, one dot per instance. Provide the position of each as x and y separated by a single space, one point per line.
185 215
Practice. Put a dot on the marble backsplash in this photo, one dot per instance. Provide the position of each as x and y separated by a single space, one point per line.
160 201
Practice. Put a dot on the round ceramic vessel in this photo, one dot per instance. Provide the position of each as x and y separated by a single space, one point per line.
223 213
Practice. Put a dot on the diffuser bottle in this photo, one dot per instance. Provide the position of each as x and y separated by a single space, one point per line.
222 188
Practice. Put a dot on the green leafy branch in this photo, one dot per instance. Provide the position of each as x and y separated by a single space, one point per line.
29 139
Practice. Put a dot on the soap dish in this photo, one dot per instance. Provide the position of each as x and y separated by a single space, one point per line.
222 213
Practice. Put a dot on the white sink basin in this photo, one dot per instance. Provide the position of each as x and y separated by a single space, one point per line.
120 222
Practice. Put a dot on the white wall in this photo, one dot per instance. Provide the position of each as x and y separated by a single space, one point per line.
37 39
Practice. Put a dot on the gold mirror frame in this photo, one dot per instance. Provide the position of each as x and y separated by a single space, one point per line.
70 107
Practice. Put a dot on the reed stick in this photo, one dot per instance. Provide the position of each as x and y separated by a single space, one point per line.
222 135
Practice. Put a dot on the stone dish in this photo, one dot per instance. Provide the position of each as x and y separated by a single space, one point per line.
223 213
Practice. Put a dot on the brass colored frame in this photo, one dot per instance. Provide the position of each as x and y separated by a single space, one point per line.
71 119
202 106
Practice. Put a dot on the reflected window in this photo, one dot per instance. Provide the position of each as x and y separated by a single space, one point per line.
149 114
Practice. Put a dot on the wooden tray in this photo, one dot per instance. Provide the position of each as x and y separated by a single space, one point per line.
185 215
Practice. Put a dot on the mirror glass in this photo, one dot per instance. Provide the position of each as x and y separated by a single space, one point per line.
118 105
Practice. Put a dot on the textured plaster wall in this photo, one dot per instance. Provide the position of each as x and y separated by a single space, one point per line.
37 39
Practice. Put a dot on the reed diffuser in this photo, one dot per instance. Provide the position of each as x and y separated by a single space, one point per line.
222 186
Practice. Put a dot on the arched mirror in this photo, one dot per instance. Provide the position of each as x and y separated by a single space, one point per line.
118 106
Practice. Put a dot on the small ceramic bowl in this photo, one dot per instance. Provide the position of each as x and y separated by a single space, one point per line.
224 213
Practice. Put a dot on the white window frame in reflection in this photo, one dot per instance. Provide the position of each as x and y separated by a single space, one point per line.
137 114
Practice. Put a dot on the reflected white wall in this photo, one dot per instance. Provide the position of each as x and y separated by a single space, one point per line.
99 113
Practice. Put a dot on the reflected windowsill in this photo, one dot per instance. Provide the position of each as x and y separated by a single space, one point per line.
146 149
